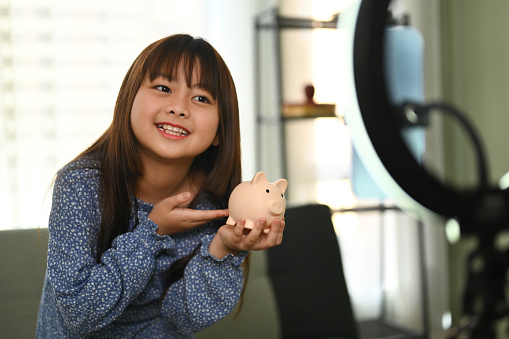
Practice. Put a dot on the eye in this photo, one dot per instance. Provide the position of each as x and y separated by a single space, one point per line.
163 88
282 196
267 190
202 98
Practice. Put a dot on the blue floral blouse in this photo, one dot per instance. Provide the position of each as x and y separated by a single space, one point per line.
122 296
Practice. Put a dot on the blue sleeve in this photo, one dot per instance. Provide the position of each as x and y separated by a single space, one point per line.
209 290
91 295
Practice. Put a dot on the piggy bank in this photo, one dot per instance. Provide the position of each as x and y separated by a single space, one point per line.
257 198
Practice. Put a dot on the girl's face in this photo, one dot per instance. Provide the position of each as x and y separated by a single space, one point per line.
172 121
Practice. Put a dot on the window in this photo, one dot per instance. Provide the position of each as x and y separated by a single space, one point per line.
61 64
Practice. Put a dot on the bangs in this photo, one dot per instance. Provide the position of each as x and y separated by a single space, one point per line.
189 55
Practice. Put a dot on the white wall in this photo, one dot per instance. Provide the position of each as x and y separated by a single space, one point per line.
230 29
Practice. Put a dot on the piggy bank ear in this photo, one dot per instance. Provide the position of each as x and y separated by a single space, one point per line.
282 184
259 178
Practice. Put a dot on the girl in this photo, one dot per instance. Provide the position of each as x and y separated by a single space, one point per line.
138 245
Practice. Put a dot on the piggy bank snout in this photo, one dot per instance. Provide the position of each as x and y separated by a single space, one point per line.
275 207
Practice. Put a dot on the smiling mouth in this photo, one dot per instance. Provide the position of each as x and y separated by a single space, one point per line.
172 130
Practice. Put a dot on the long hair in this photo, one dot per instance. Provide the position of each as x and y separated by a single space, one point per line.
117 148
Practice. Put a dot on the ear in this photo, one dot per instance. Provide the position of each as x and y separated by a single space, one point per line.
259 178
282 184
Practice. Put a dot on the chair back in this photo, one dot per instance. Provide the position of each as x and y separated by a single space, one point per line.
23 255
306 271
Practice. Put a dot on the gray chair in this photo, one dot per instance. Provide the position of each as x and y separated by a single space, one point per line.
296 290
307 274
23 255
259 317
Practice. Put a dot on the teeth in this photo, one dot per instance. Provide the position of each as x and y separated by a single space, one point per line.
172 130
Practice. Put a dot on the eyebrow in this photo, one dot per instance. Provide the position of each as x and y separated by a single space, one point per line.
193 85
163 75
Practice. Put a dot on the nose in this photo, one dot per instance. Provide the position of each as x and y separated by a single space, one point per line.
178 107
275 207
182 114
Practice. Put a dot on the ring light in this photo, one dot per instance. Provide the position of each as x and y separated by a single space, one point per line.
375 124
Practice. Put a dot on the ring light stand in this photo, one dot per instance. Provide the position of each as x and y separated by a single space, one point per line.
376 126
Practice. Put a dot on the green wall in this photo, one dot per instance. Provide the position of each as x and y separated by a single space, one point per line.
475 51
475 56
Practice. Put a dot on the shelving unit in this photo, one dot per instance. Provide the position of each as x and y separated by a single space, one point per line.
269 117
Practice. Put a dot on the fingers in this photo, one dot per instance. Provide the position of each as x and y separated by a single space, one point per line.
235 236
206 215
280 233
275 235
172 216
238 231
200 217
261 240
181 198
254 234
175 200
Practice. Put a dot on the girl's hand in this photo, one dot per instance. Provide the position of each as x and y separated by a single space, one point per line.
171 218
232 239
